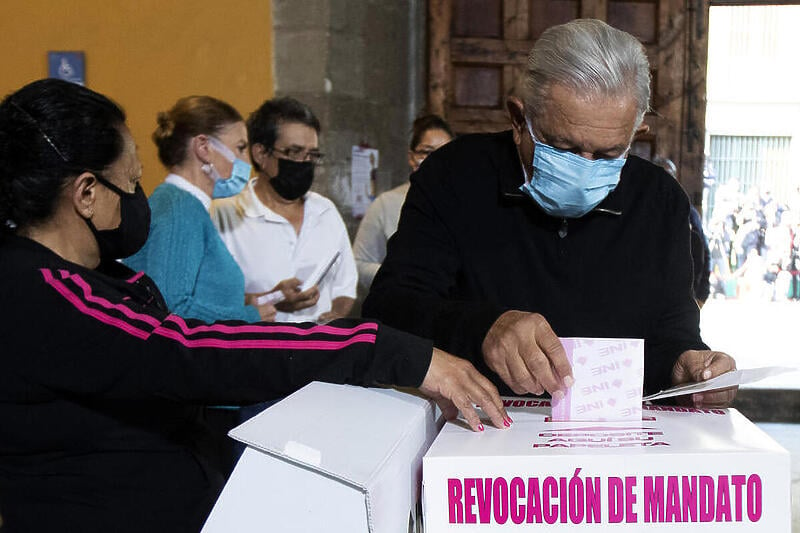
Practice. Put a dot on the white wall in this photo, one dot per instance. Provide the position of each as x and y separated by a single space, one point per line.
753 83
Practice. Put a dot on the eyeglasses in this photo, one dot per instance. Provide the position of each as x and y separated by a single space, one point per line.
296 153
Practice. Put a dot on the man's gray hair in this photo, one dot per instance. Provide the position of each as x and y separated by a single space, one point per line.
590 57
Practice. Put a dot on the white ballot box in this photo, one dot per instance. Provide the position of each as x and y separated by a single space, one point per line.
678 469
331 458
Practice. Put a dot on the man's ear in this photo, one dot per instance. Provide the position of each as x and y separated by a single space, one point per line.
516 113
258 153
642 129
84 194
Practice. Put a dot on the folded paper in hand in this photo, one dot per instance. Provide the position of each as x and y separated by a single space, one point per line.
728 379
309 276
315 276
273 298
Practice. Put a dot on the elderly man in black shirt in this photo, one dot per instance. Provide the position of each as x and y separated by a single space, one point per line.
507 240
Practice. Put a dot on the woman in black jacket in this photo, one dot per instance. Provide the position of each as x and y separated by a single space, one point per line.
99 383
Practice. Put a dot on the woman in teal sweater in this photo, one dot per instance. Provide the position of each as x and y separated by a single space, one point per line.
202 141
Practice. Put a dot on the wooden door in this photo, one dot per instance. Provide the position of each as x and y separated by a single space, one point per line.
478 49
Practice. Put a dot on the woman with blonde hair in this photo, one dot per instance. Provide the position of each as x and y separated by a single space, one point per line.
202 142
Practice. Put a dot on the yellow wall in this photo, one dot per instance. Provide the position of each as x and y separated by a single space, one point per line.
145 54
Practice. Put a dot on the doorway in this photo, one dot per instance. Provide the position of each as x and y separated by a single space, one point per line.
751 195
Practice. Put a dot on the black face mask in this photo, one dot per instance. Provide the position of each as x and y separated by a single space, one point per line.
134 227
294 178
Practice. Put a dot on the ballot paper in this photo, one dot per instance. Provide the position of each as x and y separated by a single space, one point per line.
728 379
608 377
309 275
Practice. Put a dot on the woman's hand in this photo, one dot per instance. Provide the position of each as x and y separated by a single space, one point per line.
266 311
456 386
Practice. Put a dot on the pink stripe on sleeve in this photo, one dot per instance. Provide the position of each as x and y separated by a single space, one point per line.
265 344
265 328
135 277
125 310
224 343
83 308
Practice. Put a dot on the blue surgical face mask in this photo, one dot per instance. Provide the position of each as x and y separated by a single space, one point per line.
568 185
240 173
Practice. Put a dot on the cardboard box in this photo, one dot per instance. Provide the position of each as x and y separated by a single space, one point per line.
679 469
331 458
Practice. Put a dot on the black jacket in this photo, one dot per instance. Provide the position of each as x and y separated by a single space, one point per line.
100 387
470 246
701 256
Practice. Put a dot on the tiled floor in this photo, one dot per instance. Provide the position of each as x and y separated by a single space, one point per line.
788 436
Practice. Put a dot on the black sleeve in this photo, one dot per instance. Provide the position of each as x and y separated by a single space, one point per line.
65 337
704 289
701 256
676 327
701 264
422 267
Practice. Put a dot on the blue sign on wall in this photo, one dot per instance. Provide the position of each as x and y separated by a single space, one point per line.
69 66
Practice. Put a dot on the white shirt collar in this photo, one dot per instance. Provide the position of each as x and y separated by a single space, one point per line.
253 207
194 190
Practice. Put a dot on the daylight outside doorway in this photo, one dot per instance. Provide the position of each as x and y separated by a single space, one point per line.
751 200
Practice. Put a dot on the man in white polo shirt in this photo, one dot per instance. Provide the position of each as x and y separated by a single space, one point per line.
276 229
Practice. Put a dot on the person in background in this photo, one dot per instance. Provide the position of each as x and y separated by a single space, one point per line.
509 240
701 253
428 133
276 229
99 380
202 141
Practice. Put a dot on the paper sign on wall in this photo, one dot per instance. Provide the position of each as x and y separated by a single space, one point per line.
68 66
363 174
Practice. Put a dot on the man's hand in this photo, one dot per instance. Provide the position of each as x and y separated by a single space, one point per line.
527 355
340 308
456 386
294 299
700 365
328 316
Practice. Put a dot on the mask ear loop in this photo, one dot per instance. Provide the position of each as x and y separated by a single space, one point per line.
224 151
108 185
208 168
527 176
530 130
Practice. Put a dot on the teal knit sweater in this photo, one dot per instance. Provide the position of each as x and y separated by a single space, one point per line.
189 262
